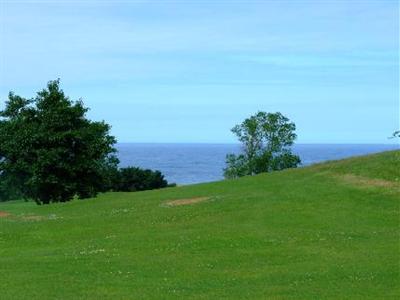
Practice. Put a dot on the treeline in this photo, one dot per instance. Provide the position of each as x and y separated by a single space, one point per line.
50 152
130 179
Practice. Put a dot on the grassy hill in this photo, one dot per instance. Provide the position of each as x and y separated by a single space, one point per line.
326 231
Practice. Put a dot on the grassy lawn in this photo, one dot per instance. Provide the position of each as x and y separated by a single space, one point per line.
326 231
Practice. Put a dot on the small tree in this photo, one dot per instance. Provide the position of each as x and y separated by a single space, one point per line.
50 150
266 140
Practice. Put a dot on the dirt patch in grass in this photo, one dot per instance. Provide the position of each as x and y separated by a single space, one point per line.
4 214
28 217
187 201
367 182
32 218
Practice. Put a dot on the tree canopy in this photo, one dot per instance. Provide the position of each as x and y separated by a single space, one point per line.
266 140
50 151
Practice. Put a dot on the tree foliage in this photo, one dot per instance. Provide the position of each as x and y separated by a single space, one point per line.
133 179
50 151
8 191
266 139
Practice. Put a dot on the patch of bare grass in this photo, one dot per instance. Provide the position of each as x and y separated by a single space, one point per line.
187 201
364 182
32 218
4 214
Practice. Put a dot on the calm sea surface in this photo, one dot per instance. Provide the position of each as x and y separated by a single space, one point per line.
194 163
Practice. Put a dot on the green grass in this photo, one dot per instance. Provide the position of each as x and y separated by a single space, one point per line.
322 232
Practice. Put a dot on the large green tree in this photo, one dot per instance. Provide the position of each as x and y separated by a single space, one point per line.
266 140
50 151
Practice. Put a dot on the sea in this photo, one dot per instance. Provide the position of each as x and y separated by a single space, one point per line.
196 163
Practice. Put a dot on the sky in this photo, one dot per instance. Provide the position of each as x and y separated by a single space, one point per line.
188 71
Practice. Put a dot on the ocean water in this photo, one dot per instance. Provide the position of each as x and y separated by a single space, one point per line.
195 163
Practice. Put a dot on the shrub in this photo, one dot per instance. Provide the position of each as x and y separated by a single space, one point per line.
136 179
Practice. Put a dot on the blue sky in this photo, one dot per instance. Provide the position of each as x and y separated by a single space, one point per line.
188 71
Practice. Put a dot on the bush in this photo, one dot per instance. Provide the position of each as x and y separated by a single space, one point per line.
133 179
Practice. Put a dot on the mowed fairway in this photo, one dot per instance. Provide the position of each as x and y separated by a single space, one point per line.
326 231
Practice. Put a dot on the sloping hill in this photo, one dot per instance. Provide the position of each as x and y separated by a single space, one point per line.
326 231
